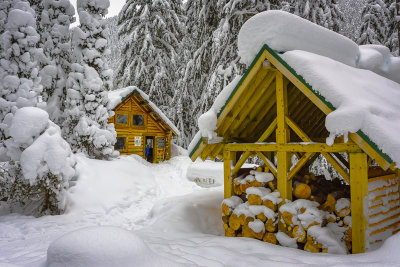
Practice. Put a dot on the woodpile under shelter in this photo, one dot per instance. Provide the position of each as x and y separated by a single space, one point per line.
273 113
139 122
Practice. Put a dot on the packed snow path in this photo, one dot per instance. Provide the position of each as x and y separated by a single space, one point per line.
177 219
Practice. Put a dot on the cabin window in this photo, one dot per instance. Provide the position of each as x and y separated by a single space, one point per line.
120 144
138 120
122 119
161 142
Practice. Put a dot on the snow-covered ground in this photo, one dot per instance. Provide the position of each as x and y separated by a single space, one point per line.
178 220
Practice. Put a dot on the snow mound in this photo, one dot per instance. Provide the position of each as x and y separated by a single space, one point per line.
283 32
377 58
102 246
363 100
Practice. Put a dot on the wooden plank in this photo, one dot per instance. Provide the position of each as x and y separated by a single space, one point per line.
337 166
302 161
198 151
294 147
271 128
252 107
261 77
238 94
268 163
358 192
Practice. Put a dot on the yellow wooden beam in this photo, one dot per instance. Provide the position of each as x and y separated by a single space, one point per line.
337 166
238 94
302 161
252 108
262 77
369 150
294 147
296 129
267 163
271 128
240 162
343 160
359 191
198 151
292 78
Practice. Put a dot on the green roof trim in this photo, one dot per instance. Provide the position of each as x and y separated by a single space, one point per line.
301 79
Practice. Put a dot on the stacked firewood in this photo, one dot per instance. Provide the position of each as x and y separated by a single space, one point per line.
253 212
318 220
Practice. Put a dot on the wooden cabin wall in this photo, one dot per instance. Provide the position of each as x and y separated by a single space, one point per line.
130 131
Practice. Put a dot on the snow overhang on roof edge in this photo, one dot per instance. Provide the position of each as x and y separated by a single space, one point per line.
301 79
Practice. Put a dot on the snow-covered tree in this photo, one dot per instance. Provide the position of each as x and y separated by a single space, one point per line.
374 23
115 44
37 164
86 113
201 21
322 12
153 30
351 11
53 23
393 30
19 80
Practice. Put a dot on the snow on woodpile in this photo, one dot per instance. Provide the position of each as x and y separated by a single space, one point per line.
117 96
283 32
363 100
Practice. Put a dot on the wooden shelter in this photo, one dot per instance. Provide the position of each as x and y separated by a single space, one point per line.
139 122
274 113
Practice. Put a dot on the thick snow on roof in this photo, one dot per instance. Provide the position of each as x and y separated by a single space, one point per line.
363 100
117 96
283 32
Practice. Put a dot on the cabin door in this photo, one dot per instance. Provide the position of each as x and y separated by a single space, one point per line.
151 153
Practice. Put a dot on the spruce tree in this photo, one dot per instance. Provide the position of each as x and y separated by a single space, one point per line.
325 13
153 30
86 113
37 163
393 29
53 27
374 23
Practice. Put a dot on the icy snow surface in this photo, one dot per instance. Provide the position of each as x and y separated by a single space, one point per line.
116 97
174 218
363 100
283 32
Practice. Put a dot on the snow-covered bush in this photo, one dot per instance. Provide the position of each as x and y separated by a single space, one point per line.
86 113
42 163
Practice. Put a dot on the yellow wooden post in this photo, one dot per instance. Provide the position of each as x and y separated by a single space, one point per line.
169 142
282 137
229 161
359 191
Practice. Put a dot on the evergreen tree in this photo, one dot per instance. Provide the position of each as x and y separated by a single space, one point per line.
374 23
37 163
86 113
202 20
393 27
153 30
53 21
322 12
19 80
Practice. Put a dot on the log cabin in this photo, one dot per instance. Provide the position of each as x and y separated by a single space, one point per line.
138 122
273 113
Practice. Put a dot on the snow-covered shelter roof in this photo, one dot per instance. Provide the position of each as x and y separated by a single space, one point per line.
117 97
335 97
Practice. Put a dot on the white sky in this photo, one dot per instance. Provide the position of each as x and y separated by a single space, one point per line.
115 7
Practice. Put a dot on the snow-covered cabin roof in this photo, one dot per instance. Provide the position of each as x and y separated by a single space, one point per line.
351 99
118 96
